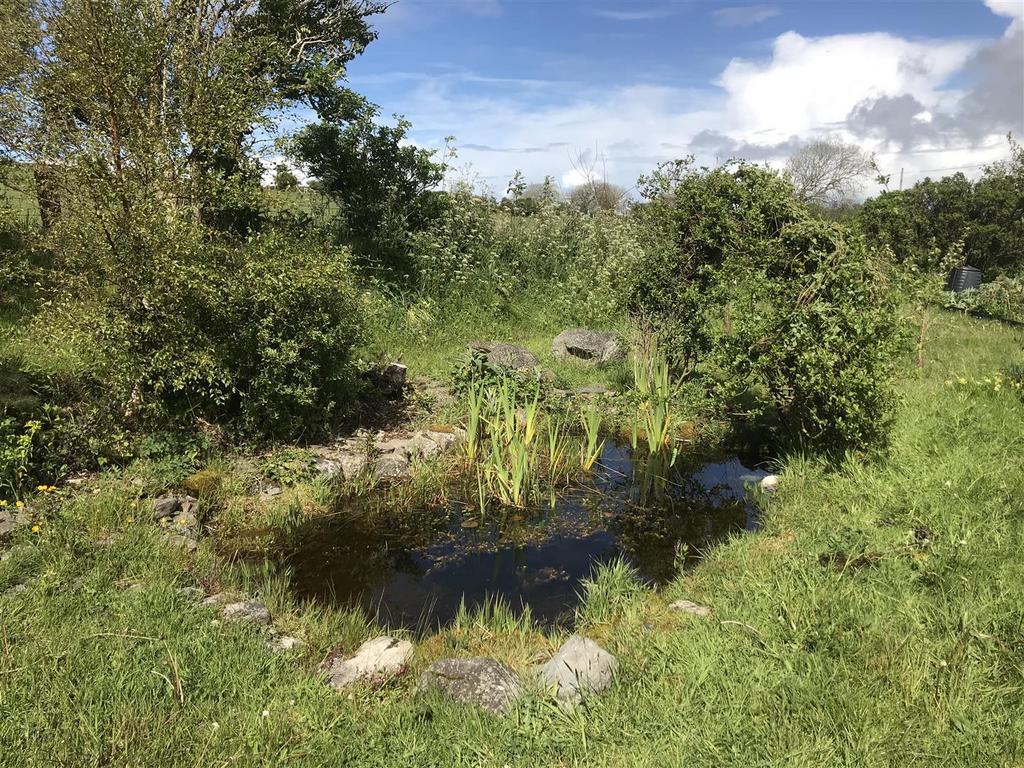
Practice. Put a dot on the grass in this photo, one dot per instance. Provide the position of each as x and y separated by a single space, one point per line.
875 620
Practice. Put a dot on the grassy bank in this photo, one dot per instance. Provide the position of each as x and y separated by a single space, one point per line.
876 620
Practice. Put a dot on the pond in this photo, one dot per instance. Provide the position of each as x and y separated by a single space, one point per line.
413 569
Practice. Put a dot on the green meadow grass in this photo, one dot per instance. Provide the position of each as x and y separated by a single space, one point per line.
875 620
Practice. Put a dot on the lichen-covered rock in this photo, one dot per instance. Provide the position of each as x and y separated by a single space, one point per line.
181 541
391 466
507 355
13 519
283 643
380 657
445 440
249 611
484 683
587 345
580 668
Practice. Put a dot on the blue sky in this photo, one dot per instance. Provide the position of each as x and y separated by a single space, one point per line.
546 86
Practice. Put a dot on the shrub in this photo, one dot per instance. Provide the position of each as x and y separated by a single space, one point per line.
817 331
922 223
696 222
1002 298
755 296
257 336
379 181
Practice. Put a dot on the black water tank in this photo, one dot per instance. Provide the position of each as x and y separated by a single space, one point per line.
963 279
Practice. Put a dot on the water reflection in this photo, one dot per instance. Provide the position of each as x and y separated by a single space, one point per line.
414 568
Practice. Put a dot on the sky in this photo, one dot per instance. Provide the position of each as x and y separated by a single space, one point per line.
554 87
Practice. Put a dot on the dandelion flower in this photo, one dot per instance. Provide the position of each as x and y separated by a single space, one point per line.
36 529
41 487
19 504
3 503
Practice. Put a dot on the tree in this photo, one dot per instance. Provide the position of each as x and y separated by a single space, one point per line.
145 105
377 178
284 178
828 172
595 194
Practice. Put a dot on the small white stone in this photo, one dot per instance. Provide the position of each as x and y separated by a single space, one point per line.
381 656
688 606
770 483
283 643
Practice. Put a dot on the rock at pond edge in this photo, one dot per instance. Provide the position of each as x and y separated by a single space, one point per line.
481 682
580 668
380 657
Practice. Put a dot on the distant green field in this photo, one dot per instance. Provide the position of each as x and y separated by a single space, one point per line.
17 194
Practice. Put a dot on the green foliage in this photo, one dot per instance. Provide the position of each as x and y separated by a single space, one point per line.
920 224
758 297
458 247
284 178
816 329
698 223
142 104
17 445
379 182
287 466
1002 298
258 336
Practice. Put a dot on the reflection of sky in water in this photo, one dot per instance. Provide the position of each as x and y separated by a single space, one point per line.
415 574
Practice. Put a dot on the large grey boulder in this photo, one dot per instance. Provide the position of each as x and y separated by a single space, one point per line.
586 345
580 668
391 466
484 683
507 355
380 657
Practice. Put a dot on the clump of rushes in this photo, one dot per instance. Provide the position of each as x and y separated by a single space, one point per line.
512 464
593 444
558 448
515 444
476 401
655 418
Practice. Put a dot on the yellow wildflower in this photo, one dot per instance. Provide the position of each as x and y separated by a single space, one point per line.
35 529
3 503
19 504
963 380
41 487
131 520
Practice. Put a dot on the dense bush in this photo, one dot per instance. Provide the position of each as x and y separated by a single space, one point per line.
380 182
816 330
699 224
257 336
587 262
758 297
921 224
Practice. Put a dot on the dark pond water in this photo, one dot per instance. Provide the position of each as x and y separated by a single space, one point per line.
413 569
